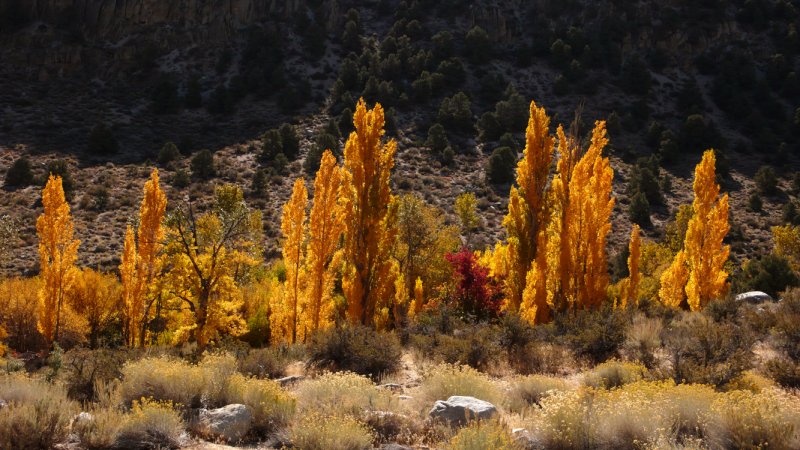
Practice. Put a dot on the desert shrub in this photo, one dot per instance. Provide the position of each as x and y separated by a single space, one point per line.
272 407
743 419
766 180
101 430
290 142
483 435
102 140
784 371
60 168
437 139
356 349
388 426
642 339
203 165
342 393
704 351
613 374
19 174
168 153
501 165
543 357
475 348
770 273
754 202
37 415
456 112
594 334
319 432
636 415
531 389
151 425
180 179
177 381
446 380
84 369
269 362
639 210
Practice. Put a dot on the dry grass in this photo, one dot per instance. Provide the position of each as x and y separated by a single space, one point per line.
612 374
748 420
530 390
483 435
342 394
151 424
664 415
319 432
445 380
272 407
37 415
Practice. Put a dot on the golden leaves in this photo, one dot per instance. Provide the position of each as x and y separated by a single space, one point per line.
58 252
697 274
369 226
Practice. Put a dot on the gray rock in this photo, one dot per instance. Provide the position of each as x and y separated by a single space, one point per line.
291 379
394 446
460 409
231 422
394 387
3 404
526 440
82 418
405 397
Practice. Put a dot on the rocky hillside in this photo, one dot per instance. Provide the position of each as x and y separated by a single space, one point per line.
103 85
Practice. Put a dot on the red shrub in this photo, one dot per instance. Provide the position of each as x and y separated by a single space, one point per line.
475 294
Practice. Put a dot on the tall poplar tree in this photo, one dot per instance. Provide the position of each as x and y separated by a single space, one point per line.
324 230
527 214
367 279
293 228
58 252
697 275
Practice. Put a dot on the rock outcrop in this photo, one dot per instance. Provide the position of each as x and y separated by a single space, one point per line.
460 409
231 422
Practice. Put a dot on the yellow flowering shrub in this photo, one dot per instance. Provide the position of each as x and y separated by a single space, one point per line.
481 435
343 393
445 380
320 432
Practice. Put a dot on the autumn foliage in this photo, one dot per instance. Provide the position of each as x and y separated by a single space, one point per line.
474 293
367 278
697 274
58 252
353 251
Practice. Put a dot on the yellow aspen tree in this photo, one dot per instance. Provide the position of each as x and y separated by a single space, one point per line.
293 228
465 206
209 258
673 282
631 297
558 250
367 279
787 243
419 299
142 259
57 254
96 297
526 208
128 275
587 224
324 230
705 254
149 243
534 307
